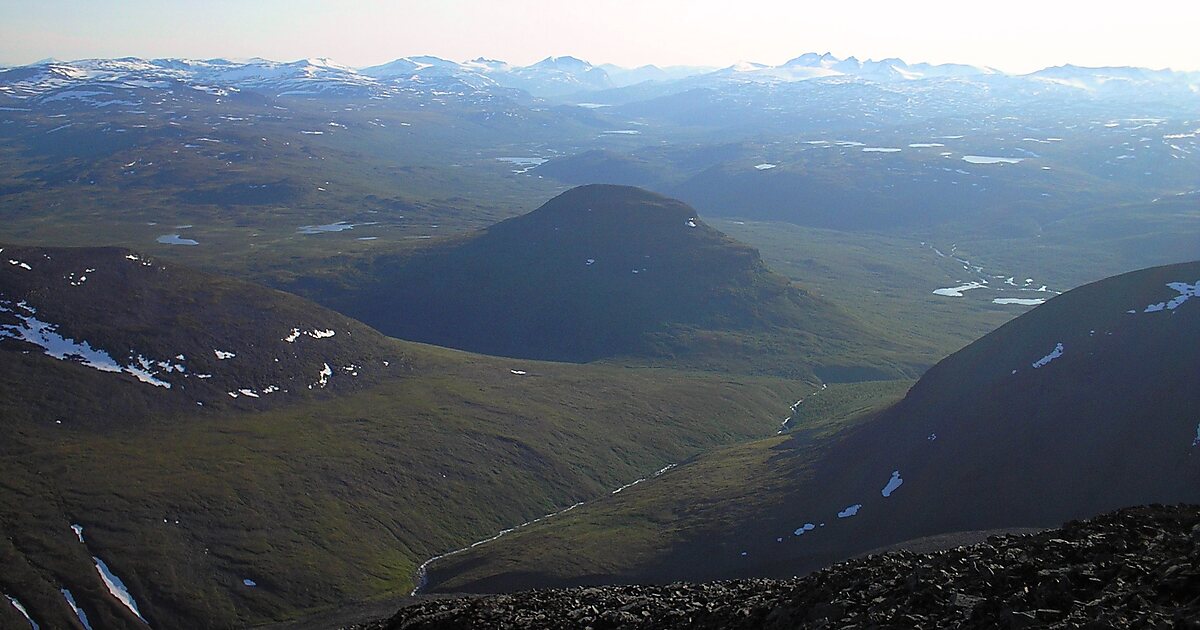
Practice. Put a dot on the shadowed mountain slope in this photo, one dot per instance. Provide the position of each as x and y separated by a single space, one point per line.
606 271
1082 405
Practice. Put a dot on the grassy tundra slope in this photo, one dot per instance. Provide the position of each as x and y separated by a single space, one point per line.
318 496
1082 405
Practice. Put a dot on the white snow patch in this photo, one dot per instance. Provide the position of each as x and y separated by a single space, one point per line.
850 511
17 263
987 159
78 613
1186 291
117 587
958 291
292 336
175 239
881 150
78 529
518 372
925 145
1054 354
1021 301
21 609
807 527
328 227
45 335
323 376
222 355
320 334
765 166
892 484
250 583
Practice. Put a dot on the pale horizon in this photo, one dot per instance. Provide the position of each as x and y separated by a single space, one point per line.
1025 37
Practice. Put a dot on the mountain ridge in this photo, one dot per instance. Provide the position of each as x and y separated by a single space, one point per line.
551 77
1080 406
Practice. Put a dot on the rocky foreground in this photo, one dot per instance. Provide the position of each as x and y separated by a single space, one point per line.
1137 567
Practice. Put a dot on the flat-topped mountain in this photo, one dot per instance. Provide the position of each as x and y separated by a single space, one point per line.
1082 405
600 272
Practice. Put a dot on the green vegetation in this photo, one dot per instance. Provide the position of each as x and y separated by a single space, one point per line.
1079 406
643 532
319 496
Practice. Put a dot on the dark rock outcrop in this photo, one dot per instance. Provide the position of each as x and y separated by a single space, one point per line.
1137 567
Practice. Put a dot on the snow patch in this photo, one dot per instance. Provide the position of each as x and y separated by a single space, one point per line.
958 291
850 511
807 527
78 613
765 166
988 159
117 587
222 355
1054 354
45 336
323 376
78 529
892 484
21 609
328 227
174 239
1021 301
1186 291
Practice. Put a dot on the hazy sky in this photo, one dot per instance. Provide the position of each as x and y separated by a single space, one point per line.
1013 35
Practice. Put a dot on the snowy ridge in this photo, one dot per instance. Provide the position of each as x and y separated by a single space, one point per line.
104 82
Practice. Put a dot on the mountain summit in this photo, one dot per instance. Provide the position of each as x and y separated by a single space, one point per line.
599 271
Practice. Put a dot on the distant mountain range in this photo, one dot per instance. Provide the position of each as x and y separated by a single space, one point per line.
553 77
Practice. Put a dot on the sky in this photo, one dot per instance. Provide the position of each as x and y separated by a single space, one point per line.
1011 35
